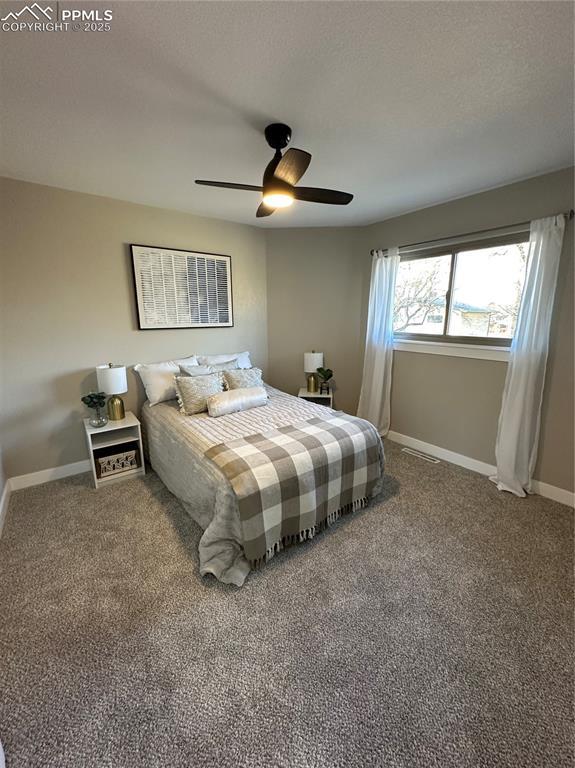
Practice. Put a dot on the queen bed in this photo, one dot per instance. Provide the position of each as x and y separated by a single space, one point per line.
308 464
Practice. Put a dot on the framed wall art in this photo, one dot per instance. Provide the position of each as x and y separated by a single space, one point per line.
182 289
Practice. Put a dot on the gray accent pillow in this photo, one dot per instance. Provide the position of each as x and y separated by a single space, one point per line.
193 391
244 377
230 365
196 370
243 359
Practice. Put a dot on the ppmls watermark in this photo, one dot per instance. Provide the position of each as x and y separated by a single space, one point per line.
39 17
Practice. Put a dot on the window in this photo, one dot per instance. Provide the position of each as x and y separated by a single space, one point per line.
468 293
420 293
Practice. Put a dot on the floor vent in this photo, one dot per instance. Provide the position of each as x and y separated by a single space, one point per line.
419 455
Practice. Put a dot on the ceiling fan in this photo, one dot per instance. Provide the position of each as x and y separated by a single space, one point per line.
282 174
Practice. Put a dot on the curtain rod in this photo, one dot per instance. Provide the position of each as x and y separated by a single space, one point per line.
568 215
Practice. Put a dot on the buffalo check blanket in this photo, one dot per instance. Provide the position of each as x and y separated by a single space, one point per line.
292 481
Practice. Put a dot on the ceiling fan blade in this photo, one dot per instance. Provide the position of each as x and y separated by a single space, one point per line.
319 195
292 166
264 210
228 185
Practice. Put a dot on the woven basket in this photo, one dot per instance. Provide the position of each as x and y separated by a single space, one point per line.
120 462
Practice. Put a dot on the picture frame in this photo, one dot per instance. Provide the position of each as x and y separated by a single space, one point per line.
177 288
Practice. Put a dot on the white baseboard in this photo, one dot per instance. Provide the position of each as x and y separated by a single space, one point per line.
543 489
552 492
4 499
443 453
46 475
37 478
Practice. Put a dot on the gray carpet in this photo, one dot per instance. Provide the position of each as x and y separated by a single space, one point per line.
434 629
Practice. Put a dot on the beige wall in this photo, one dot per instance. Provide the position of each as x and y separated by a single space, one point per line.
314 296
68 304
3 476
318 285
452 402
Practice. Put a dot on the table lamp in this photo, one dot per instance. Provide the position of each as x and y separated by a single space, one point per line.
112 381
311 362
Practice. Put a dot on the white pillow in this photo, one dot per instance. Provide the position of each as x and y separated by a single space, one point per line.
243 359
236 400
158 378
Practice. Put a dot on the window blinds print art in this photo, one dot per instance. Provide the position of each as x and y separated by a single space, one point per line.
182 289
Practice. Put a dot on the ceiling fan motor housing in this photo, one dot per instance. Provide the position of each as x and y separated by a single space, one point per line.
278 135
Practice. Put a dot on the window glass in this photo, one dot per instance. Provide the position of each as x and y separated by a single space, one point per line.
420 293
487 288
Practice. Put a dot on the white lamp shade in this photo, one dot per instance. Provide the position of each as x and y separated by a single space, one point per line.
312 361
112 380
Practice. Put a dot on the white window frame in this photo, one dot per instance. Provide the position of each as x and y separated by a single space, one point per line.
479 347
477 351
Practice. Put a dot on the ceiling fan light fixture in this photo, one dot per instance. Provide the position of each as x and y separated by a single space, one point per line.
281 176
277 199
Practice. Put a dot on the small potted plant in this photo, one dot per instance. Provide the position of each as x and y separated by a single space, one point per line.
325 375
97 401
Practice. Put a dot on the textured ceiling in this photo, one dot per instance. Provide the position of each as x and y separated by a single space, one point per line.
404 104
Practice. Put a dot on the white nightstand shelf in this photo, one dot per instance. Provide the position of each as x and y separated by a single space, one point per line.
316 397
116 437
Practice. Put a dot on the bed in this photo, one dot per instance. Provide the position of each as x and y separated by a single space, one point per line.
191 455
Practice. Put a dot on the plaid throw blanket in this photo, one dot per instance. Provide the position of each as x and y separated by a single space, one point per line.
292 481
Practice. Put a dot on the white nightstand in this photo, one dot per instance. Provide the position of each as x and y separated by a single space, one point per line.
316 397
119 443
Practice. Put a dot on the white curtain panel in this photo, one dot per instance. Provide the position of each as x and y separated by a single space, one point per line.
519 420
375 396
